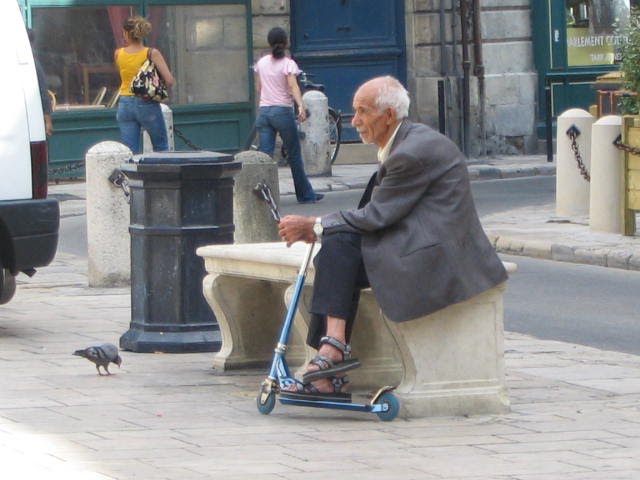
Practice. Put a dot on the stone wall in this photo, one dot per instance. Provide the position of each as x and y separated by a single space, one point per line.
510 78
266 15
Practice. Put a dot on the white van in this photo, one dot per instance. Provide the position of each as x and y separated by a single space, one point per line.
28 220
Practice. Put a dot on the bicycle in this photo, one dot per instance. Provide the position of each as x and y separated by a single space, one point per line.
335 123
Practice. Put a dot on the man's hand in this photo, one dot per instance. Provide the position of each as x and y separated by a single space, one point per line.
293 228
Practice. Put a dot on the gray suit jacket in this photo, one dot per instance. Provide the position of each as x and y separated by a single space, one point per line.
422 243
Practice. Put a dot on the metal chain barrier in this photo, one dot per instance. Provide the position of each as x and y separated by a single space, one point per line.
188 142
573 134
70 167
624 147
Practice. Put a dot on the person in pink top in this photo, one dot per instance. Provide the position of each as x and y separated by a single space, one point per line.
277 87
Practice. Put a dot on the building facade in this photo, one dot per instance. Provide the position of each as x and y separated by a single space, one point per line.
491 74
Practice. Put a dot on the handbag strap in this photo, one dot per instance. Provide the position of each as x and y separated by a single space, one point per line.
149 49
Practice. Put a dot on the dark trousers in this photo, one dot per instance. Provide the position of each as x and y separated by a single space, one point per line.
340 275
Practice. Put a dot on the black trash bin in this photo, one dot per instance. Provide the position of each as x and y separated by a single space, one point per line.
179 201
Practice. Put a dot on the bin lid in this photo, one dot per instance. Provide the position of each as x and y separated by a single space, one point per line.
181 158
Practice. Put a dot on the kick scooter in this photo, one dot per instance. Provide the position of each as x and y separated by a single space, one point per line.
383 403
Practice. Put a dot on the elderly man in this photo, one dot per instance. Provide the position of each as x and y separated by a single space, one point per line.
415 237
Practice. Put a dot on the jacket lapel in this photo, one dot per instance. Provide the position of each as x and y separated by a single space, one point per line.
402 133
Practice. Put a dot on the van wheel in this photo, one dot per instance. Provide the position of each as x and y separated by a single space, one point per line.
7 285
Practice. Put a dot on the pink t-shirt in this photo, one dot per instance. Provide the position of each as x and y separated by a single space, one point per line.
274 88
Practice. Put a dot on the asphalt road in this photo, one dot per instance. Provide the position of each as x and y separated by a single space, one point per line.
584 304
491 196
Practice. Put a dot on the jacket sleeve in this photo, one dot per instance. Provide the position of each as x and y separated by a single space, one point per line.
405 180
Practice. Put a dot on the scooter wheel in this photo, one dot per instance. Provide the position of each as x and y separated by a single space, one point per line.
266 407
393 406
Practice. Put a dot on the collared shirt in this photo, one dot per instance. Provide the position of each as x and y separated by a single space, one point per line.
383 153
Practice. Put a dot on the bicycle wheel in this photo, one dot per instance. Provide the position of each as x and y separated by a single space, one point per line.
335 133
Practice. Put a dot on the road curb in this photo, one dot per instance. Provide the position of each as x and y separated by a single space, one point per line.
490 172
611 257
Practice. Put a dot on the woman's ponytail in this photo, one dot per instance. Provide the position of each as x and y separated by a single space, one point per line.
277 39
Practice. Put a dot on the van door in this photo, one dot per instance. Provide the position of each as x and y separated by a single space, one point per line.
21 119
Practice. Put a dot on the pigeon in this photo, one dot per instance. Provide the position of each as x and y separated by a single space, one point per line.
101 355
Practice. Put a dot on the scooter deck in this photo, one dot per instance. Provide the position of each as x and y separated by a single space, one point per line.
317 397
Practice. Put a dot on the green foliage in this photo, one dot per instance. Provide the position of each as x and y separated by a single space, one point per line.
630 65
629 105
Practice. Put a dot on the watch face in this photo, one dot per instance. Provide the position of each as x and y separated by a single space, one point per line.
317 228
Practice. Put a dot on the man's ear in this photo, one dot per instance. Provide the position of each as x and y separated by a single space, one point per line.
390 115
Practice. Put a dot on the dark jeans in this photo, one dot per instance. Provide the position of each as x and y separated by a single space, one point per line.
134 114
273 120
340 275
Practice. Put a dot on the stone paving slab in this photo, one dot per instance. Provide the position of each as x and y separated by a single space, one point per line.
574 413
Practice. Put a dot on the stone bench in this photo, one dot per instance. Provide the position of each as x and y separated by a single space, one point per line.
448 363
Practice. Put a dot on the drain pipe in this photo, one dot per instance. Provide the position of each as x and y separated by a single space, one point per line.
444 87
478 71
444 67
455 71
466 68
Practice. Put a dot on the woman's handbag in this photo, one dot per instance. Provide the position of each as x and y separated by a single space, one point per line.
148 83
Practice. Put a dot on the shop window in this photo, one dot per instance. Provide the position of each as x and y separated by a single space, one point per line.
204 45
592 30
206 48
75 47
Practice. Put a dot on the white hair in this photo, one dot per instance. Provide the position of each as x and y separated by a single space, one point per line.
391 94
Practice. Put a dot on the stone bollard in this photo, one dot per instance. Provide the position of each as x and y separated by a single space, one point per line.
168 121
107 217
315 143
253 222
606 199
572 189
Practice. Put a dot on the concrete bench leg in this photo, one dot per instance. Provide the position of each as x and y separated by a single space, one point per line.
454 359
250 313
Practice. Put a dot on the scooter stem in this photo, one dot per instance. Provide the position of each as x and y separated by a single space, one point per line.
295 298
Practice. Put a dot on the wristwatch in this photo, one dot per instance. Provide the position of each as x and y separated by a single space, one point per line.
317 227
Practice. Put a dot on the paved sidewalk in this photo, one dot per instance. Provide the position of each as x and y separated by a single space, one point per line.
574 413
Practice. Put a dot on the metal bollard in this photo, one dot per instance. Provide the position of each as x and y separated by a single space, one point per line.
167 113
573 159
606 198
315 144
107 217
253 223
